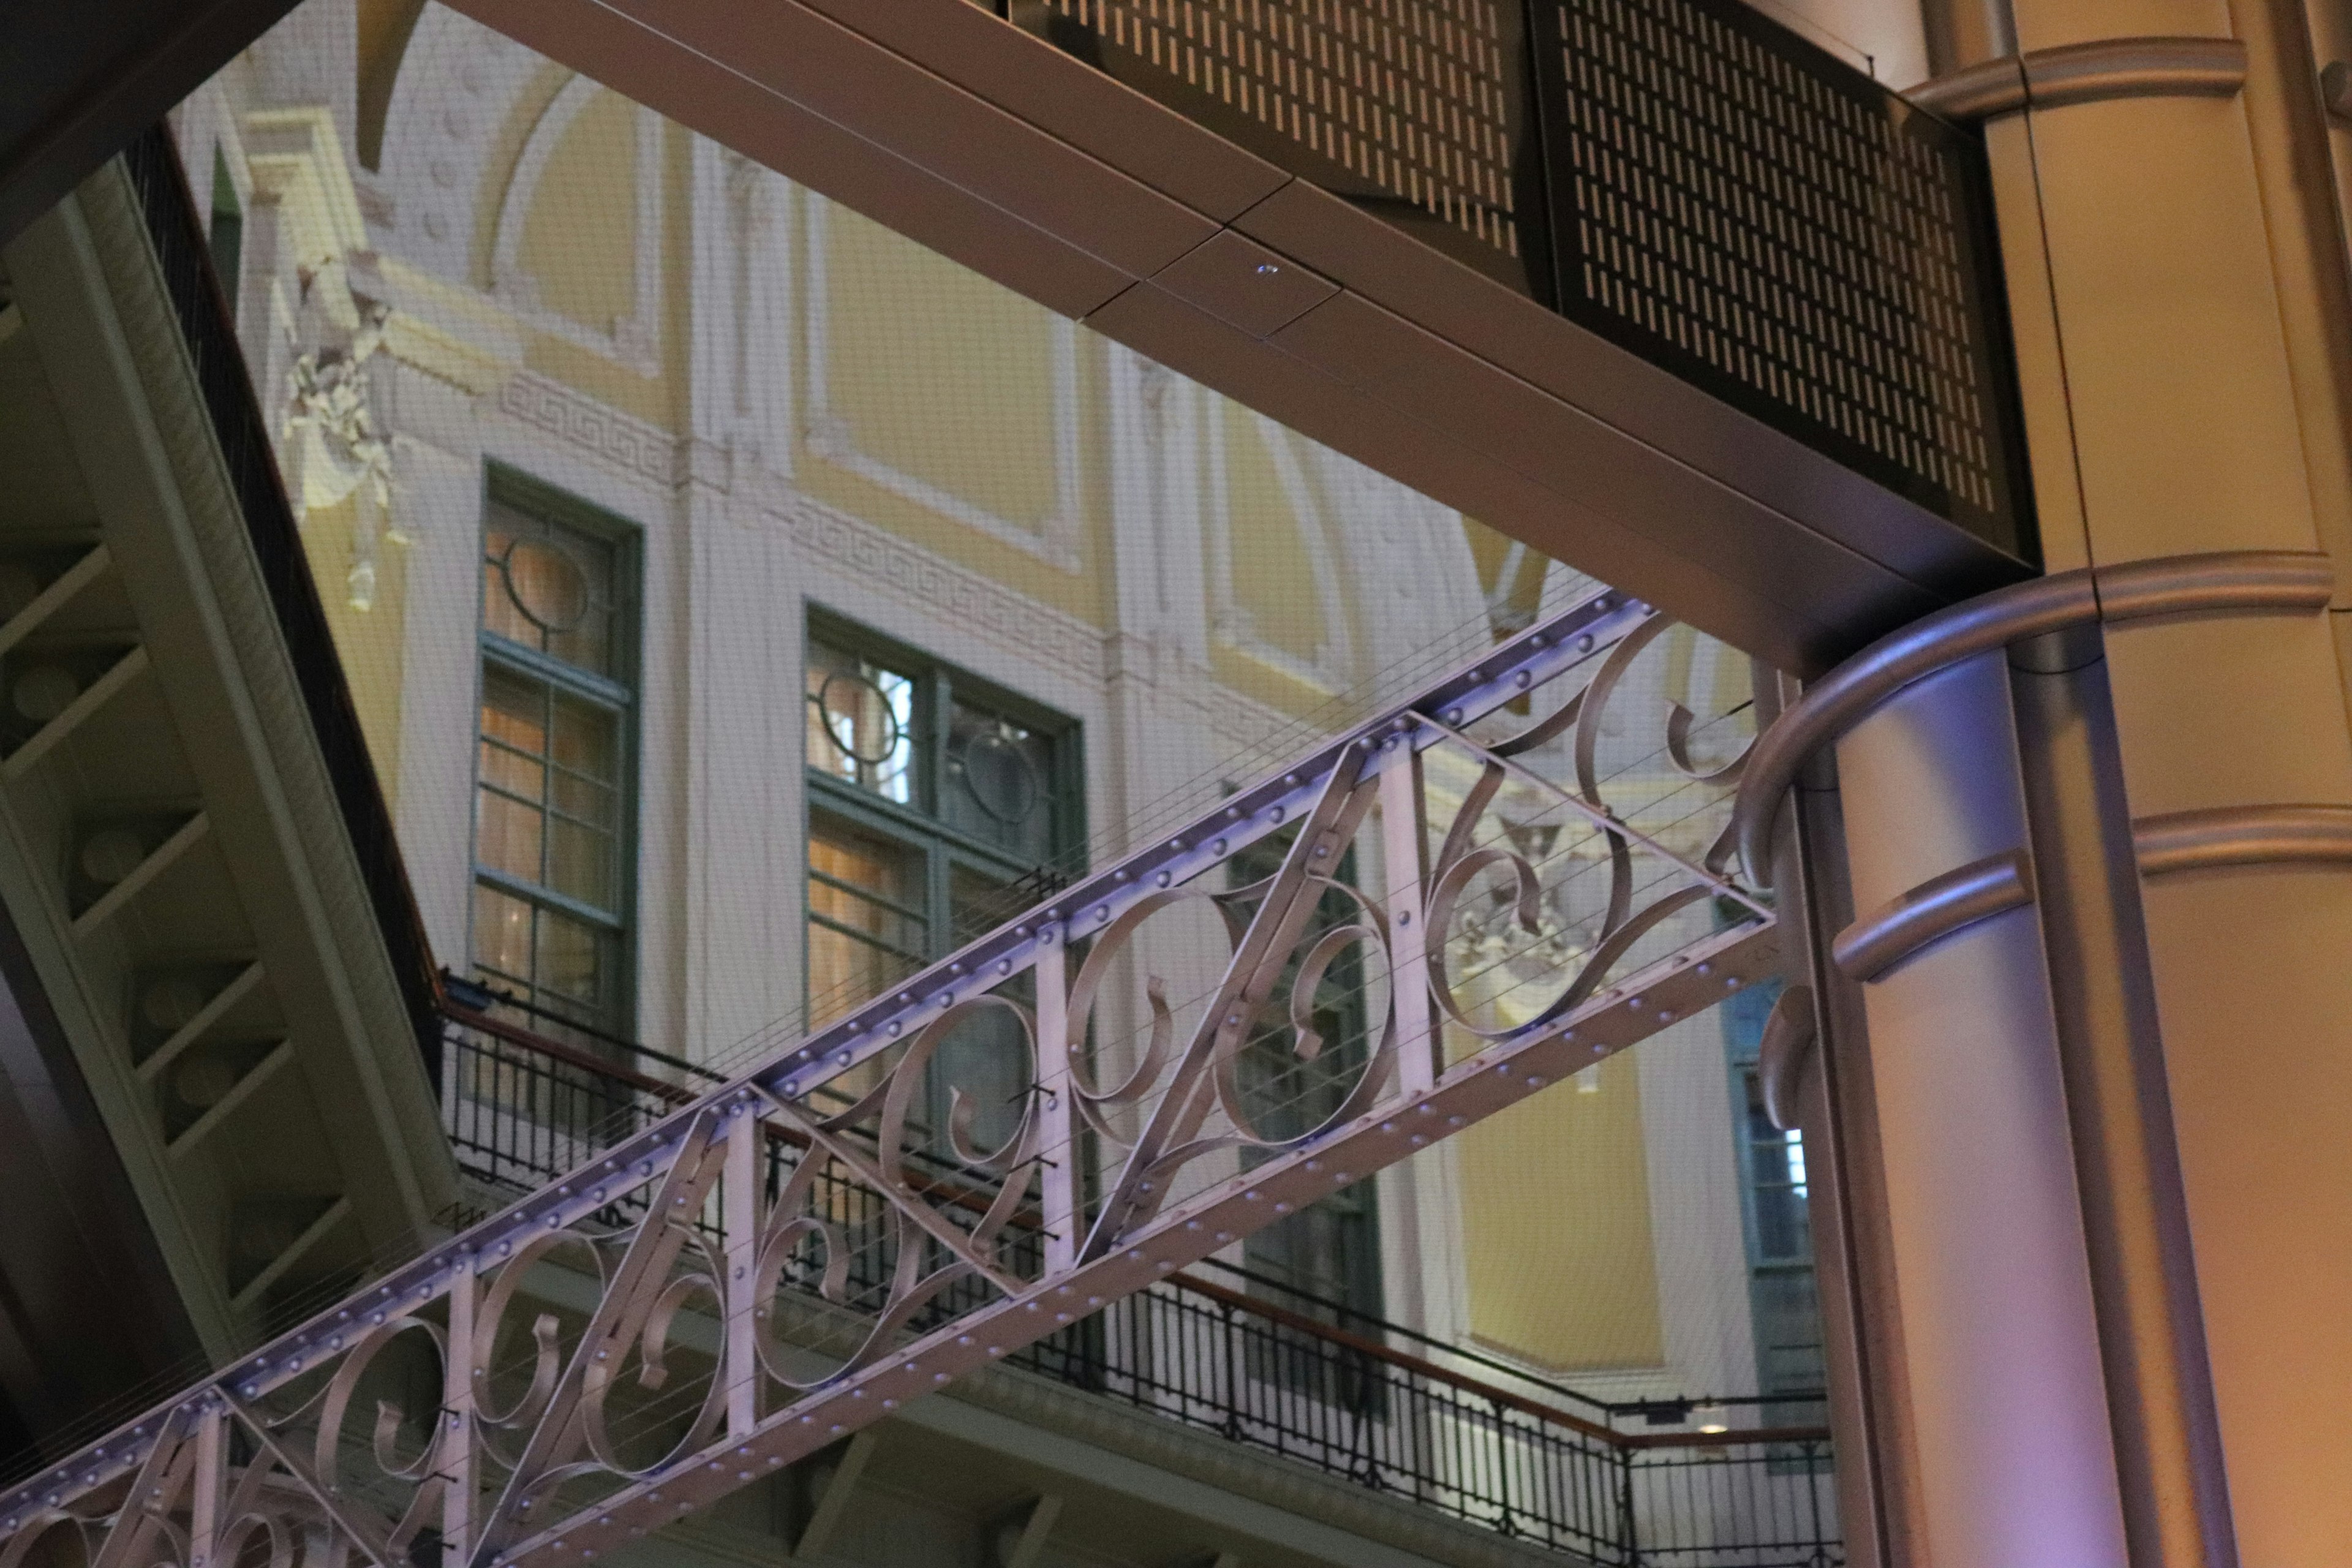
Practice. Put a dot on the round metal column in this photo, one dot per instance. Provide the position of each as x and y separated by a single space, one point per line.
1993 1308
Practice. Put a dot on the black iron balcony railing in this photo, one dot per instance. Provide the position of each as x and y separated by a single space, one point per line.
1687 178
1253 1361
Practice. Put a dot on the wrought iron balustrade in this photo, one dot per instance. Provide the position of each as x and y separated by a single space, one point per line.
1261 1363
1689 179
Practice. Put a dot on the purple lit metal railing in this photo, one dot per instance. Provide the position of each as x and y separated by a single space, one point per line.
1265 1365
721 1289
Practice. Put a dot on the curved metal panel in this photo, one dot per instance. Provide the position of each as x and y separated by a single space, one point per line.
2234 582
1931 911
2243 836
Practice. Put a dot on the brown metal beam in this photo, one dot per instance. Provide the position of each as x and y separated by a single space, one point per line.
78 80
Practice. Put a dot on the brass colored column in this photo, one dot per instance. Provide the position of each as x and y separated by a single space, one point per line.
2178 337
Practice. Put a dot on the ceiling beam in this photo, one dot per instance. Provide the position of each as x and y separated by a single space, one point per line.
82 79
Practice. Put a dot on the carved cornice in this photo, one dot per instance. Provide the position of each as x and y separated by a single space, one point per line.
2088 73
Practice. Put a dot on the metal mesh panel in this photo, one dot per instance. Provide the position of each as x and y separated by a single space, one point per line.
1784 231
1687 178
1407 105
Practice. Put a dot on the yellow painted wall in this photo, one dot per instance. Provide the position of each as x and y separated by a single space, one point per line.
499 165
1273 572
579 240
370 640
1556 1229
949 379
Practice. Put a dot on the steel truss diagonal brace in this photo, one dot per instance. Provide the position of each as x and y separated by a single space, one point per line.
524 1464
1495 1078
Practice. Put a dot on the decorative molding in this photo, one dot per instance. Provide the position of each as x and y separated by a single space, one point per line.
2229 582
2088 73
1058 537
2243 836
458 83
1229 620
641 450
1933 909
955 595
633 340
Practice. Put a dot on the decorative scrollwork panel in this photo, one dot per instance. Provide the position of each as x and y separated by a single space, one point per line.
1141 1070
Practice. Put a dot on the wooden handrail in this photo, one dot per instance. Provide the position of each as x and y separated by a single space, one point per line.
1407 1361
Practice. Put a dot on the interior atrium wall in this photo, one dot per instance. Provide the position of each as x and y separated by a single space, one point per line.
583 410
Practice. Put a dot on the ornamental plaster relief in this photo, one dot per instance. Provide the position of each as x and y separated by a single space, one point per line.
458 84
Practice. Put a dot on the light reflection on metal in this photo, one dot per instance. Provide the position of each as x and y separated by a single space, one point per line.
1932 910
679 1315
1790 1033
2237 582
2243 836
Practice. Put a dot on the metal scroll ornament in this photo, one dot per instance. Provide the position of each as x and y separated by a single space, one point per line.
1581 953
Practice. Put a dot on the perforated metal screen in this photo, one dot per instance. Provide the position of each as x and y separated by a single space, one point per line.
1408 106
1773 225
1686 177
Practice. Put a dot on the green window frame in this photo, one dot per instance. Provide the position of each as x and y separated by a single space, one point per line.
554 841
939 805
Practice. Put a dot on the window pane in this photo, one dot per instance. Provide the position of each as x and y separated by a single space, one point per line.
514 710
989 1057
570 969
585 800
502 939
977 903
499 612
513 772
580 864
866 931
550 587
508 837
1777 1176
998 782
553 811
587 737
861 723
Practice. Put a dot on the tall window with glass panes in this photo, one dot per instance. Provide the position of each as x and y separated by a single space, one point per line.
938 806
1775 1193
553 807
